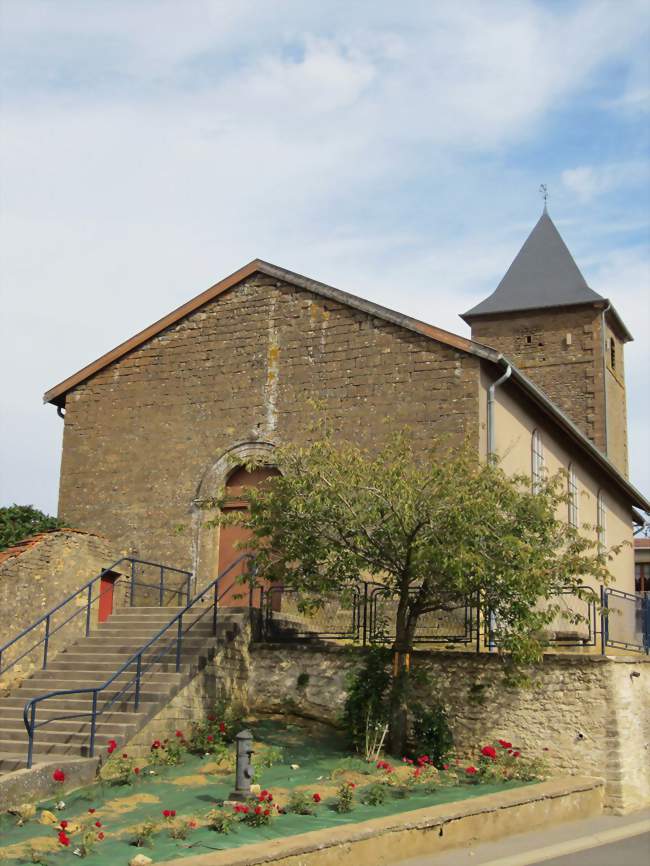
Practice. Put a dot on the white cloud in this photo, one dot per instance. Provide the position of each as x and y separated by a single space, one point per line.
589 181
148 151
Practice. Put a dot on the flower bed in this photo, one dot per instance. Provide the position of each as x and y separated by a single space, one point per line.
173 806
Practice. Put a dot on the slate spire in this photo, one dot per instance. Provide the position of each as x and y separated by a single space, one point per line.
543 274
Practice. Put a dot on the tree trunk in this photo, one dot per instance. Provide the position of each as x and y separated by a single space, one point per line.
405 623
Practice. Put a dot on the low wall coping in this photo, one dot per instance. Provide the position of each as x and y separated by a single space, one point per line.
426 819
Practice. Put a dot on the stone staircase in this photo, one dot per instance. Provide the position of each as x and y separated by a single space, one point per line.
91 661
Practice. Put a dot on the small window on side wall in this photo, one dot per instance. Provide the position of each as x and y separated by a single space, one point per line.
601 520
572 490
537 460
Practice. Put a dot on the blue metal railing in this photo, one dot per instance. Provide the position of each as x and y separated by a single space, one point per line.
89 588
625 620
142 665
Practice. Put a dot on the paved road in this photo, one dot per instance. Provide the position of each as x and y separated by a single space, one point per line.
634 851
607 840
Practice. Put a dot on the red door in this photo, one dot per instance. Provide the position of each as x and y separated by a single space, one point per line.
106 585
232 538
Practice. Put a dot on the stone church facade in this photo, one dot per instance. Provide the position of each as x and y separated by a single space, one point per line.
158 423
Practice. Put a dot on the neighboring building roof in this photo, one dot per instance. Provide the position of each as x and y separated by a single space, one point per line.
28 543
642 543
57 394
542 275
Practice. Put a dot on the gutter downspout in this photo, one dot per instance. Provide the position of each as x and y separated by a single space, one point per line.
604 350
491 449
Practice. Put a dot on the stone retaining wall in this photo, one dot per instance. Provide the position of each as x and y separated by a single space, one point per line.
584 714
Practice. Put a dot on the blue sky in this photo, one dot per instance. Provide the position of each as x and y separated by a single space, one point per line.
394 150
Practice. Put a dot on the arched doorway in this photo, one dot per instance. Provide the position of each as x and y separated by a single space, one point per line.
232 538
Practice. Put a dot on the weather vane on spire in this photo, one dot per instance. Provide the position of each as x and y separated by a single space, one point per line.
544 191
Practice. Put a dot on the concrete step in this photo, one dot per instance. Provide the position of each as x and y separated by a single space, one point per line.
79 703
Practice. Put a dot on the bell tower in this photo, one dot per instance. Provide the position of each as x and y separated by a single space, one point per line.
563 335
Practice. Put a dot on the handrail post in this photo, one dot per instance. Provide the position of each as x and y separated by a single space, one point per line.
162 584
30 746
478 622
137 682
93 726
603 637
364 640
179 640
132 583
90 597
46 640
214 608
189 588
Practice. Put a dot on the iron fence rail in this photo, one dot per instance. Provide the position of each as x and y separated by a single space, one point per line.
94 593
365 614
174 627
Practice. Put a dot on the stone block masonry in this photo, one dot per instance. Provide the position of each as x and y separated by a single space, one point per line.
41 575
142 433
583 715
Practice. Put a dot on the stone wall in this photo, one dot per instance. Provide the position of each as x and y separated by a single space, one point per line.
570 371
43 571
244 368
584 715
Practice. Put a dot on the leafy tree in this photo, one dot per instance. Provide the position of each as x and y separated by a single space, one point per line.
21 521
434 528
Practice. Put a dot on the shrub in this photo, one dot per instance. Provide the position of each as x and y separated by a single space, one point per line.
366 706
142 835
345 797
207 738
302 803
118 770
432 735
499 761
375 794
221 821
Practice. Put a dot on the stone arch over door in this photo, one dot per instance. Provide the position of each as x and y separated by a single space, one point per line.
205 539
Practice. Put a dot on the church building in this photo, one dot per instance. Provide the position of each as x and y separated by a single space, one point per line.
163 420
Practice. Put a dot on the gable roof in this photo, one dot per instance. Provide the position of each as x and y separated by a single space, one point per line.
543 274
57 394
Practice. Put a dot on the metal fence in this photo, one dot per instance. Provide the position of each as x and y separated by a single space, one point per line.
365 613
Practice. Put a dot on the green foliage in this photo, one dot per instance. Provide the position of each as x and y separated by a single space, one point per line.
222 821
267 756
366 703
142 835
432 735
375 794
345 798
303 680
207 738
435 527
229 717
300 803
20 521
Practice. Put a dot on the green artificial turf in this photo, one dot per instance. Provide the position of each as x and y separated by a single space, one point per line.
318 754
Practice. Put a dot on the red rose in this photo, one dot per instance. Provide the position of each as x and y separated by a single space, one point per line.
58 776
489 752
193 825
516 754
267 811
245 810
172 812
351 785
112 745
258 810
471 771
91 810
445 766
222 727
504 744
63 825
210 738
98 823
179 733
136 770
316 798
212 718
166 813
100 836
64 839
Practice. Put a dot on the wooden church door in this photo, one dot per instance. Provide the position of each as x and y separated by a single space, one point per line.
232 538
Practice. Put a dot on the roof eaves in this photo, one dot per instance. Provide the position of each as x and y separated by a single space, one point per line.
577 435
